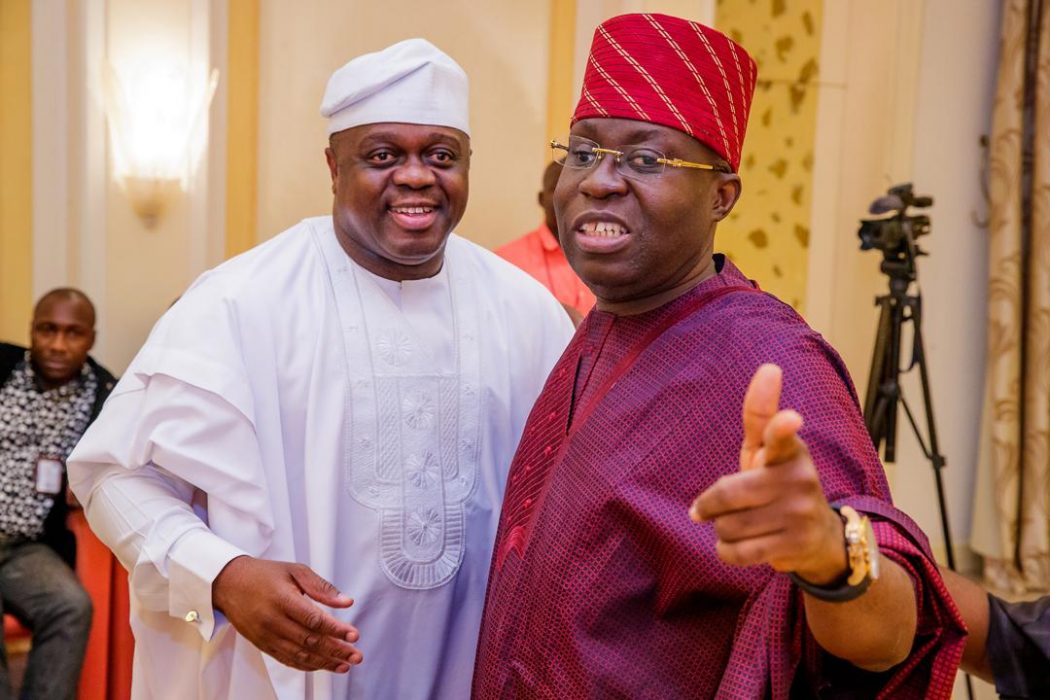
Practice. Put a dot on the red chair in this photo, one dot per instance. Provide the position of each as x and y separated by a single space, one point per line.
107 662
17 638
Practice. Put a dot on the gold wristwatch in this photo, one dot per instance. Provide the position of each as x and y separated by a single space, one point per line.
861 548
862 557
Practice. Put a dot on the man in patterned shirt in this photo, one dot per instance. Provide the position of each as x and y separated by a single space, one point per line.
49 394
791 575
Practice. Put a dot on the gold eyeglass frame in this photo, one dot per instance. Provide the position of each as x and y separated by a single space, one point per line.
618 155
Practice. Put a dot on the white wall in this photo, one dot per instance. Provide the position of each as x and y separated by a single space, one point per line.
956 89
85 233
907 93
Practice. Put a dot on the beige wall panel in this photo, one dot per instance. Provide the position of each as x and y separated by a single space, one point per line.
16 197
242 125
890 112
502 47
768 233
145 268
948 162
86 161
562 44
871 117
51 112
591 13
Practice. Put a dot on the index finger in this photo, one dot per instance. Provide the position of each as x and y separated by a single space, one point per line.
760 405
732 493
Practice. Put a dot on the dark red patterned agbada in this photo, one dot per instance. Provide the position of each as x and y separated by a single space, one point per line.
602 587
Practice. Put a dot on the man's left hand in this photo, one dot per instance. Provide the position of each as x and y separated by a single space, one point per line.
773 510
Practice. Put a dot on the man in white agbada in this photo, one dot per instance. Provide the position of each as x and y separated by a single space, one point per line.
346 396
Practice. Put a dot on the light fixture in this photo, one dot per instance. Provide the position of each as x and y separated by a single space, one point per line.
157 116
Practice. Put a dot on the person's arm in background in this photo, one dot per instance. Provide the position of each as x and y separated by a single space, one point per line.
1009 643
972 601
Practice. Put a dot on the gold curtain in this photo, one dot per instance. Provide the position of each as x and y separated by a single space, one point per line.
1012 513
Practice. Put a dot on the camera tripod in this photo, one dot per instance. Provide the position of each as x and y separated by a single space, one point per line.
884 390
896 237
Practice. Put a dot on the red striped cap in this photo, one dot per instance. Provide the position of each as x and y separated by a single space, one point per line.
673 72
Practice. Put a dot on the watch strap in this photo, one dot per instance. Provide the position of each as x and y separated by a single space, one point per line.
861 557
839 594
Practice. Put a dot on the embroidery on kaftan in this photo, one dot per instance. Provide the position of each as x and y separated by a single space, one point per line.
412 428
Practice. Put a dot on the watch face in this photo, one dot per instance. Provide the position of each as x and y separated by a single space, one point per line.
873 550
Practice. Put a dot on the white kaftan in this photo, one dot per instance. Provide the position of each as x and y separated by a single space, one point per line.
294 407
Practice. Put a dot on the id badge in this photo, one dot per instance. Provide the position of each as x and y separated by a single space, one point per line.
49 475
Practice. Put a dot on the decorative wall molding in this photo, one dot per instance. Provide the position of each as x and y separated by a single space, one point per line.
90 183
51 125
241 126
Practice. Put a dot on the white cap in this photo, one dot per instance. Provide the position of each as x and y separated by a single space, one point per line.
411 82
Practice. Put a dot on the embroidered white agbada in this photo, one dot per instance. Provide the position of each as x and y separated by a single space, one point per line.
293 406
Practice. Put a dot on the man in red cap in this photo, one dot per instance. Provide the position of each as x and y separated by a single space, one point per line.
790 574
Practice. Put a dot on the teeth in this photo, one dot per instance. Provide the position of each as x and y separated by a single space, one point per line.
412 210
603 229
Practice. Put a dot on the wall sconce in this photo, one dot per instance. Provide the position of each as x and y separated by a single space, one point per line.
156 114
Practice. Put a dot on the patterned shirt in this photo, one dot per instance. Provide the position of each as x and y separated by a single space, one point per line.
601 585
36 423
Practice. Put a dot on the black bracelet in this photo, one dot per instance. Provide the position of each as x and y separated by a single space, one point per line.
839 594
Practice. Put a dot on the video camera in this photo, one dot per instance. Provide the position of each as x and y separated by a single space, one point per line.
896 235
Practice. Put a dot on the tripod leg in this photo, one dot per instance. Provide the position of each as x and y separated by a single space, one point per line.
931 429
874 400
891 387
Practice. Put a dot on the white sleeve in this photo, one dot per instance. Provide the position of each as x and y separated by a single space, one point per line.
124 472
558 332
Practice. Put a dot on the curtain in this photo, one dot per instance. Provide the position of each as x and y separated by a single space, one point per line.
1011 526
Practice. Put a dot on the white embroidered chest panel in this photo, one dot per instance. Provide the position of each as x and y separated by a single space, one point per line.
412 429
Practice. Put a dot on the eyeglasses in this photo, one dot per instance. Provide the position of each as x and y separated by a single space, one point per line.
633 161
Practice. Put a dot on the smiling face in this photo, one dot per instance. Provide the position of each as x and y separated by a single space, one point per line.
633 239
399 191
